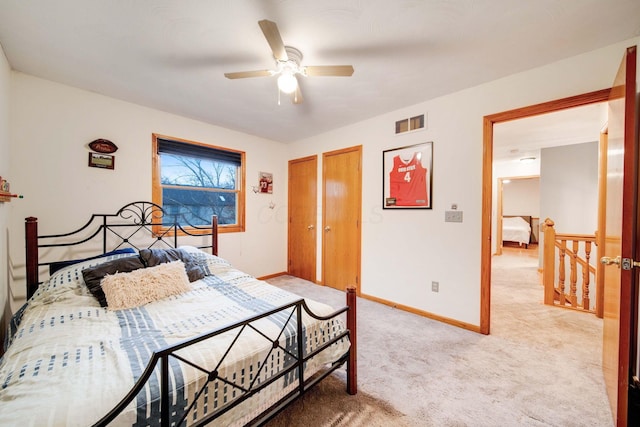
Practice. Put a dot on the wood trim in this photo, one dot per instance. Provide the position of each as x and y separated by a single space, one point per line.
499 190
487 181
485 244
601 95
447 320
271 276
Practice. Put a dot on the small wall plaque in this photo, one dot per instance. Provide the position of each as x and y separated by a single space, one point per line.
103 146
104 161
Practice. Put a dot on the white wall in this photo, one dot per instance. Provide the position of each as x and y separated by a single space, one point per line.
51 126
5 73
403 251
521 197
569 196
569 187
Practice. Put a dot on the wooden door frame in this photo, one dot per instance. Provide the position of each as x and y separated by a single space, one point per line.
487 181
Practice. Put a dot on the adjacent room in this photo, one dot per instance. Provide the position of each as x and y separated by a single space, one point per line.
334 213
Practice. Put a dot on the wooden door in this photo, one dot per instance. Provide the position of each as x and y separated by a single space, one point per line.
620 232
342 195
303 183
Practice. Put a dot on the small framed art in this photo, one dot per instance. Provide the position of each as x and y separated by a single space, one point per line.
266 182
406 175
104 161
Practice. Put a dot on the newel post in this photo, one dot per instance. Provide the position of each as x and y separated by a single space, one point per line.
548 260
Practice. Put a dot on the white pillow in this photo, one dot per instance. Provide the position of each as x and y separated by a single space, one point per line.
145 285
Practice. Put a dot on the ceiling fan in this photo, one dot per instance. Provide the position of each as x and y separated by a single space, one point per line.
288 66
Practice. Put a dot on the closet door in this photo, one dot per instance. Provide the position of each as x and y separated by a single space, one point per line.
342 195
302 227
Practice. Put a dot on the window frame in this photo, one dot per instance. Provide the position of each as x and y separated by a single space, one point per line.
156 185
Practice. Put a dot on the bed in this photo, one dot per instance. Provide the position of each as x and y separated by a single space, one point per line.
223 348
517 229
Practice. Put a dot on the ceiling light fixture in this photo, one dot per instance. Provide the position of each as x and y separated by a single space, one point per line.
288 69
527 159
287 82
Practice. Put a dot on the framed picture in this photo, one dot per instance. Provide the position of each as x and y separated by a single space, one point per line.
104 161
266 182
406 175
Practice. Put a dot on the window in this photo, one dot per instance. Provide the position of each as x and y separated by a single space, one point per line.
193 181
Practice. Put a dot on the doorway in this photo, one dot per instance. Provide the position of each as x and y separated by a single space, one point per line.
487 182
519 202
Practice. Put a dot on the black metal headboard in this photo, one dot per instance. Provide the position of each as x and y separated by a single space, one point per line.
126 228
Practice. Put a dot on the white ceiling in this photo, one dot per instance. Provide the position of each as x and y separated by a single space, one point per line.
171 55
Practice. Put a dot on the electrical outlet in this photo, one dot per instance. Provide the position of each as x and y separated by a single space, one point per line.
435 286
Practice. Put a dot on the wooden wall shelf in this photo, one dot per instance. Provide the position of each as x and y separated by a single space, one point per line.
6 197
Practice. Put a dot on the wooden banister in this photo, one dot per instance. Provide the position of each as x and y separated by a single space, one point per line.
569 246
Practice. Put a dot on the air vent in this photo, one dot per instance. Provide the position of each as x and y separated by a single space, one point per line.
410 124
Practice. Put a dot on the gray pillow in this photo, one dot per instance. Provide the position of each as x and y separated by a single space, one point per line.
94 275
153 257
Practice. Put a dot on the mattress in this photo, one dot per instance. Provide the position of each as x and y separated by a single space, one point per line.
516 229
70 360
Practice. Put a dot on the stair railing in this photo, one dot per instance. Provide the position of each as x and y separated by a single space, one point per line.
572 251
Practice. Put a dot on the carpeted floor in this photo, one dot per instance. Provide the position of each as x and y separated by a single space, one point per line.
541 366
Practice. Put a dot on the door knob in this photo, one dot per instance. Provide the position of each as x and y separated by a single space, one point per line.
609 261
327 228
310 227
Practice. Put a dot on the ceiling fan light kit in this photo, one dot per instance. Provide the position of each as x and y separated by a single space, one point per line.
288 65
287 82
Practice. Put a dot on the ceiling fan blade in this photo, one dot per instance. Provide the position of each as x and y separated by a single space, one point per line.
296 97
271 33
245 74
329 70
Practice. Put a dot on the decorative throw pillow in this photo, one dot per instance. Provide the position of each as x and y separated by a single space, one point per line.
153 257
94 275
139 287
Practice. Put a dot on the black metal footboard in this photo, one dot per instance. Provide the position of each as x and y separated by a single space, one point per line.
298 355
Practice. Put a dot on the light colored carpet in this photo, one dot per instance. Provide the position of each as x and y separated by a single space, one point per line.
541 366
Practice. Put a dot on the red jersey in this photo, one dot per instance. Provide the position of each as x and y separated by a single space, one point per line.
408 182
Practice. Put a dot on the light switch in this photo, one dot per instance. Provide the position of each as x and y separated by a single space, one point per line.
453 216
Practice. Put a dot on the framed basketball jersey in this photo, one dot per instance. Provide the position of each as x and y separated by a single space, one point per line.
407 177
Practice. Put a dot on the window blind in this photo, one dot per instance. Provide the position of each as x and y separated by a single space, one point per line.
166 146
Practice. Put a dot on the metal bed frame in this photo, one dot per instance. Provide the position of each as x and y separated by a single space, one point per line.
124 227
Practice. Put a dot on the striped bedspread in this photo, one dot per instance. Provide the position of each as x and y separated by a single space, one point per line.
70 361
